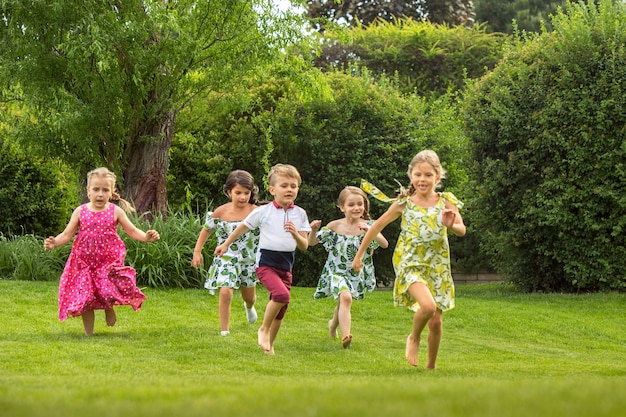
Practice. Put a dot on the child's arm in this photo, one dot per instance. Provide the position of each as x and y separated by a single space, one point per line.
66 235
197 251
379 238
315 226
302 237
132 231
392 213
239 231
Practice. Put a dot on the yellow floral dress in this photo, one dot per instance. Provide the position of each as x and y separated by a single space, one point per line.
422 254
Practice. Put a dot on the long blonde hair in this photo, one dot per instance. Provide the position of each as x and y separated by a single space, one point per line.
104 173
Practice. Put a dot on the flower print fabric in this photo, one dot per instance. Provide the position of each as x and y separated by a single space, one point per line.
95 277
236 268
422 254
337 274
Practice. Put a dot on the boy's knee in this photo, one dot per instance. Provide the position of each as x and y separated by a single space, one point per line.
281 297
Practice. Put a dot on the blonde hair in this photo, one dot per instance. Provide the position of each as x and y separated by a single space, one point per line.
284 170
104 173
350 190
430 157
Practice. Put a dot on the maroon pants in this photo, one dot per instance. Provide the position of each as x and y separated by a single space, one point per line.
278 283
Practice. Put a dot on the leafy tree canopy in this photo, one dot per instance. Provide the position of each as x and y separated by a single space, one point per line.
355 12
104 81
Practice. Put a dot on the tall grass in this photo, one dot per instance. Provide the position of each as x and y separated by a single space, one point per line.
162 264
503 354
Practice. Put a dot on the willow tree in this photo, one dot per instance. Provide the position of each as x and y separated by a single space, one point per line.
104 81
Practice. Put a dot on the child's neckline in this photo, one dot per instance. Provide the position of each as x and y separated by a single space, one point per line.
106 207
426 207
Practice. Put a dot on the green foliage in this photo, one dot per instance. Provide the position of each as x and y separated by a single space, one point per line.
103 81
509 16
24 258
548 128
36 193
356 13
426 58
166 263
352 128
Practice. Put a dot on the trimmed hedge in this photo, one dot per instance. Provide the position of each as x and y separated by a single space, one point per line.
550 149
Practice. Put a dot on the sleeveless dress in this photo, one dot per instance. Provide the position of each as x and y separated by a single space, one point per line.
95 277
337 274
236 267
422 254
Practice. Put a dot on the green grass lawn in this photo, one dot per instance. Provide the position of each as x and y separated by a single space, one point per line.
503 354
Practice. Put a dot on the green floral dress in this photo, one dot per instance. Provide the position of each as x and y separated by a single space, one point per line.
422 254
337 274
236 267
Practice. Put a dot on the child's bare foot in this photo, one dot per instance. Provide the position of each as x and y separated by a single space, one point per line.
345 342
412 349
270 351
110 317
264 340
332 329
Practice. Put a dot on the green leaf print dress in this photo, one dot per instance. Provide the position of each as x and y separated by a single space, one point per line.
236 268
422 254
337 274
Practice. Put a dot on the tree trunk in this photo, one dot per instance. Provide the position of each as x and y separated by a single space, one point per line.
145 176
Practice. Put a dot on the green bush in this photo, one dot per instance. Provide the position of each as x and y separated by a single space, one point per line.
549 145
351 128
37 193
24 258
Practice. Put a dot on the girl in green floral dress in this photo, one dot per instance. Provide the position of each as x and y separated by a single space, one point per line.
236 268
341 239
421 258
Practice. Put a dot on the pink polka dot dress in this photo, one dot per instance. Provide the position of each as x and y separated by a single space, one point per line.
95 277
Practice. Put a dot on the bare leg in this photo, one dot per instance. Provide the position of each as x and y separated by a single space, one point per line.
226 297
88 321
345 317
344 313
274 328
249 298
334 322
434 338
427 310
110 317
264 334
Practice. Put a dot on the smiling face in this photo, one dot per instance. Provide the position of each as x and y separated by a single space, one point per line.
284 189
99 191
353 206
424 178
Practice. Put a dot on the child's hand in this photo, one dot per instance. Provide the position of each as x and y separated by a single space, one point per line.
152 236
364 226
448 216
357 264
315 225
49 243
197 260
220 250
290 228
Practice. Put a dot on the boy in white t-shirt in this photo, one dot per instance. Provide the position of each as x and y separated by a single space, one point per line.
283 227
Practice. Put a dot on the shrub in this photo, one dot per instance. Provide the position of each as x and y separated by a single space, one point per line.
37 194
548 132
350 128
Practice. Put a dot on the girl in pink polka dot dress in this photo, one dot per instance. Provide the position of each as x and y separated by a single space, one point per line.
95 277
